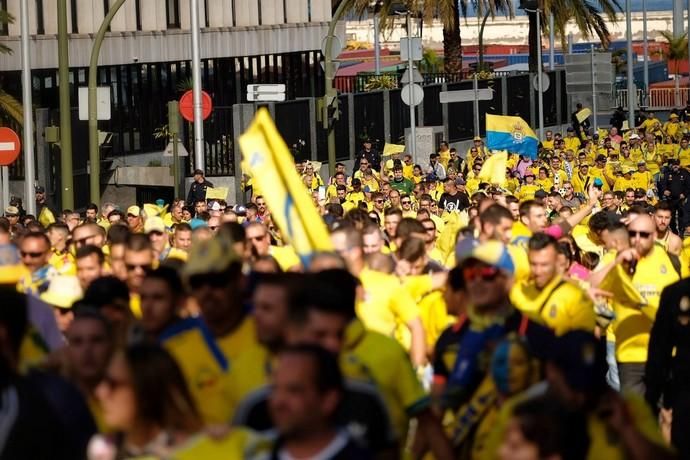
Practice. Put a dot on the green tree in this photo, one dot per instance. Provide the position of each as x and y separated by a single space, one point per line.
676 52
10 107
589 17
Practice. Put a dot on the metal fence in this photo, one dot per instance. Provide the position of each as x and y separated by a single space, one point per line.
656 98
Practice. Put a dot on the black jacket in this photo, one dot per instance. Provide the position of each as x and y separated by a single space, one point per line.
676 182
197 192
667 374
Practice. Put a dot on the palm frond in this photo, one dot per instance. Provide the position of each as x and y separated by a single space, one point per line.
11 107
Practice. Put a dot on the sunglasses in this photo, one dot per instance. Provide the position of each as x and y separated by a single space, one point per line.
214 280
32 255
483 273
379 201
144 267
634 233
406 202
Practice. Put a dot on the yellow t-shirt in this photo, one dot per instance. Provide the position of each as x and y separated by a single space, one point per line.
387 306
561 305
285 256
374 358
203 365
527 191
242 338
642 180
633 323
238 443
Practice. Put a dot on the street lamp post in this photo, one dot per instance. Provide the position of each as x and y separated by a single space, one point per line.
645 50
66 172
632 97
28 129
196 89
94 147
331 94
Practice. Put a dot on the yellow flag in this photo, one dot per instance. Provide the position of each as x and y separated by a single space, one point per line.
46 216
392 149
583 114
273 169
217 193
494 169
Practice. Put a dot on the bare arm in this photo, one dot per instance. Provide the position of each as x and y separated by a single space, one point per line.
594 194
418 343
429 428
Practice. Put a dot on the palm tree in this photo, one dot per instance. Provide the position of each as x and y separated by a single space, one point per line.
589 17
677 51
448 11
10 107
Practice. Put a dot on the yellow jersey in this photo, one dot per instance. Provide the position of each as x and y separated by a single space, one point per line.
239 340
374 358
561 305
238 443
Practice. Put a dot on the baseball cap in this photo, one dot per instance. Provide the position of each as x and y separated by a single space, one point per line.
11 211
641 162
640 192
673 115
628 171
196 223
40 189
63 291
634 136
134 210
570 128
154 224
601 157
581 358
477 138
460 181
540 194
211 256
491 253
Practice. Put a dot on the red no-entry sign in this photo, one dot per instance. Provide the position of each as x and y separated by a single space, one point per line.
9 146
187 105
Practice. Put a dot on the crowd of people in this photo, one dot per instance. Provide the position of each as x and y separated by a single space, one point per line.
543 317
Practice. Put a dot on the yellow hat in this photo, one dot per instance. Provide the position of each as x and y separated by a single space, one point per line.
154 224
134 210
389 165
63 291
673 115
212 256
477 138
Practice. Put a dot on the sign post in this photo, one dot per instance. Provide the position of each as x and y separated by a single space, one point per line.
10 146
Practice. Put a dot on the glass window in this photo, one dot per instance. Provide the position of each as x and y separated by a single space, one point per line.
172 10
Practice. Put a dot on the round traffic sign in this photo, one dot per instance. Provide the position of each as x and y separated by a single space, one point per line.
545 82
9 146
187 105
412 94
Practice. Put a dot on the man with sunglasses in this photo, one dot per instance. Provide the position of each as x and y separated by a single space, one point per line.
34 250
648 269
138 258
488 272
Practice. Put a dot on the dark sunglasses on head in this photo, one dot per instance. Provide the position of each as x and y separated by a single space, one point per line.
484 273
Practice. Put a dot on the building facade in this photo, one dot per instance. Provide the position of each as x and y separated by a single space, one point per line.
145 62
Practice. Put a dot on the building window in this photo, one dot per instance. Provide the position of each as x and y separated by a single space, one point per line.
4 29
172 11
75 26
40 23
137 9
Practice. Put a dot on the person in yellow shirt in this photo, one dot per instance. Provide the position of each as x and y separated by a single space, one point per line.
642 178
625 159
408 166
557 172
60 258
547 297
529 188
385 306
638 274
598 171
673 127
544 181
683 154
649 123
625 181
651 156
188 340
547 143
581 179
571 141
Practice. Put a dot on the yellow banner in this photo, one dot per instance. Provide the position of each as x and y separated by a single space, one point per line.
271 165
217 193
392 149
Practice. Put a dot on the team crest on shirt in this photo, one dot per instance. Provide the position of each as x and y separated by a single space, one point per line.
662 269
518 133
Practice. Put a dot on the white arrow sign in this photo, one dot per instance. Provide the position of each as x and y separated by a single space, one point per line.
447 97
7 146
266 92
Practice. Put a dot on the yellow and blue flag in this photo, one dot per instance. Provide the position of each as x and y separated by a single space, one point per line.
273 170
512 134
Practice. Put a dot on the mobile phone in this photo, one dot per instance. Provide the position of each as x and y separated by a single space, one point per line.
322 193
